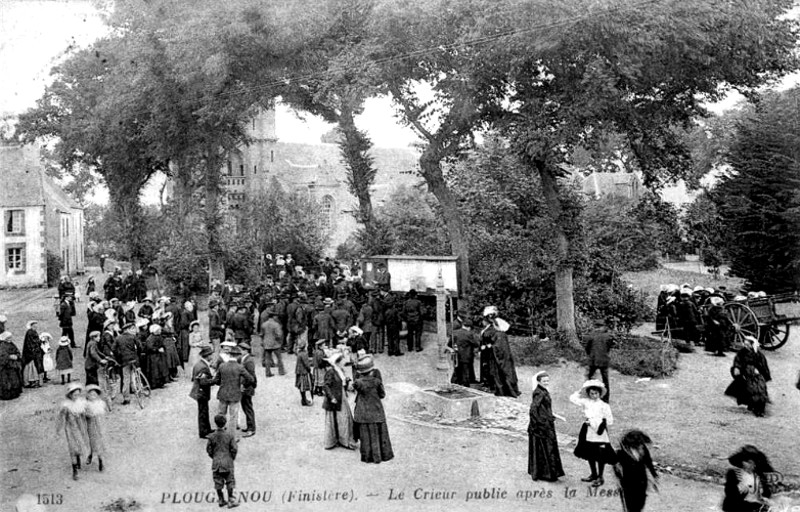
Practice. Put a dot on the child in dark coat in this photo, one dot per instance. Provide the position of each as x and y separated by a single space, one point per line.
222 449
632 467
319 366
302 371
64 359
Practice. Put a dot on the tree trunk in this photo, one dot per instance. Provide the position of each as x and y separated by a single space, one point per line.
125 201
430 164
361 171
565 301
213 216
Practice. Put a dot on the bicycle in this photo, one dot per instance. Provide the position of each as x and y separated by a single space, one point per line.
139 386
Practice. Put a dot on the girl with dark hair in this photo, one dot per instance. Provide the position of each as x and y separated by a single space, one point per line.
633 464
746 487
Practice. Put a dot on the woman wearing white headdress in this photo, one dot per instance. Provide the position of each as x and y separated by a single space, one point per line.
750 373
502 378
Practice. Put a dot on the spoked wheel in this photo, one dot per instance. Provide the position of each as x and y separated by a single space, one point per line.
743 322
775 336
145 385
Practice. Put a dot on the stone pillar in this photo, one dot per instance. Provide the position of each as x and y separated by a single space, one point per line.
441 324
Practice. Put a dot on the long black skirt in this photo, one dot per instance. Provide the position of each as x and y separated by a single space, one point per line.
544 460
375 443
598 452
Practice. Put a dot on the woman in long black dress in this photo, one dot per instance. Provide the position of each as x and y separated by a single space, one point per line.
10 368
544 460
750 373
368 416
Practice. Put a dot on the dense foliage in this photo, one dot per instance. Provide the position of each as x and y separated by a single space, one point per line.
54 266
758 199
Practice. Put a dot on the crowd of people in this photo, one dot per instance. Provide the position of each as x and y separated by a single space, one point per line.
335 325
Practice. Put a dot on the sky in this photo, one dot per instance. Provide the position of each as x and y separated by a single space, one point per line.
34 35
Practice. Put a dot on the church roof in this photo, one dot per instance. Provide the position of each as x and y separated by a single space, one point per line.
24 183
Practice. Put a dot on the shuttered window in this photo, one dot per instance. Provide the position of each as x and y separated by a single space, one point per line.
15 222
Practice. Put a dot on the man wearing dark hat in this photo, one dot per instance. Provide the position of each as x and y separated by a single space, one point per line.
412 314
281 315
126 352
216 324
248 390
295 321
465 341
201 390
272 337
322 327
231 377
94 358
66 311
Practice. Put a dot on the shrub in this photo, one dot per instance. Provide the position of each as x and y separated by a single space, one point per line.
633 355
643 356
54 266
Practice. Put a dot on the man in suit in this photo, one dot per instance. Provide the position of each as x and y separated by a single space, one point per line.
272 337
201 390
126 351
412 314
249 389
465 342
230 378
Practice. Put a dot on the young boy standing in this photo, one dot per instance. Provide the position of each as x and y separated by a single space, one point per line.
222 448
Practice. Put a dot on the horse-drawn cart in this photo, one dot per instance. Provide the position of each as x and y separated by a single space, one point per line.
759 317
767 318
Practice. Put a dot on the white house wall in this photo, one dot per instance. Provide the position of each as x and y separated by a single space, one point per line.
35 251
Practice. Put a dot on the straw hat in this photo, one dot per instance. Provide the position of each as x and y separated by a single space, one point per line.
73 386
155 329
365 364
334 358
5 335
30 324
64 341
93 387
195 322
355 330
593 383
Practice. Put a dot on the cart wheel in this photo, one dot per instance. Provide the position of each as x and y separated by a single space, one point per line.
743 322
775 336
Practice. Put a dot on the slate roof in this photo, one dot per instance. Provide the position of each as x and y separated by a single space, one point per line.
24 183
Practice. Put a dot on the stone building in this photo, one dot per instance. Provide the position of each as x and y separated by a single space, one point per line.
313 169
38 217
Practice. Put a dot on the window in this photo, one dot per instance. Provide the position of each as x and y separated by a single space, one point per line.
15 222
241 170
230 168
327 213
255 169
15 257
271 155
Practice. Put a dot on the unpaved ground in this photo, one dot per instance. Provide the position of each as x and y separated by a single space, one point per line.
155 458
